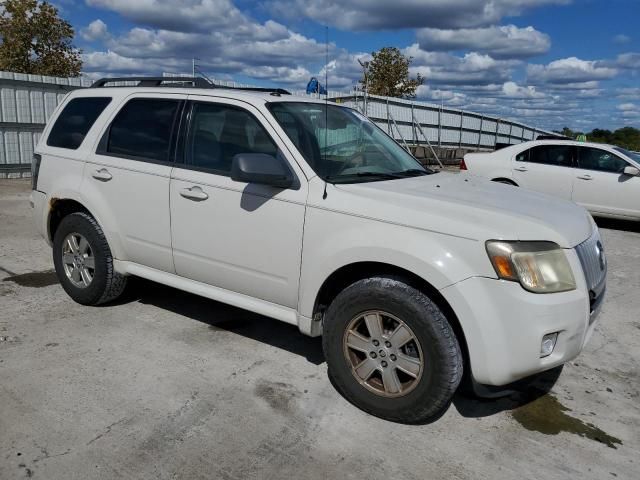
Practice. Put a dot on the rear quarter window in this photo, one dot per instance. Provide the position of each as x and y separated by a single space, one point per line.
75 120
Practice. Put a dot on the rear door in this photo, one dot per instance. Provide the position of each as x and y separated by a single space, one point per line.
127 178
601 186
547 169
246 238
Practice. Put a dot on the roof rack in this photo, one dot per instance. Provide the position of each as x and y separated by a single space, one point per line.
275 91
196 82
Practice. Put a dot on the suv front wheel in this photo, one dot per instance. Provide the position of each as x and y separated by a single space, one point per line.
391 351
83 261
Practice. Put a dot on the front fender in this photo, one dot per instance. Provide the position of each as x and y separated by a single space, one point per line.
333 240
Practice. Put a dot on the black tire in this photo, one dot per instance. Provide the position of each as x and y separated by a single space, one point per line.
443 362
106 285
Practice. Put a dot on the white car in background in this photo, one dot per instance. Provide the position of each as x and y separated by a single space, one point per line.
602 178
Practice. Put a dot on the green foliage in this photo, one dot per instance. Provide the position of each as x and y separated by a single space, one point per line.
389 75
34 39
627 137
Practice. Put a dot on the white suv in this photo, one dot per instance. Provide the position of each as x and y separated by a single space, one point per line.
308 213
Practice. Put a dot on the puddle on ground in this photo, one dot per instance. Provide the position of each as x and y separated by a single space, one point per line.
547 415
34 279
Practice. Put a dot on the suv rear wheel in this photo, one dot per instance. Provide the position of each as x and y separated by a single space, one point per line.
391 352
83 261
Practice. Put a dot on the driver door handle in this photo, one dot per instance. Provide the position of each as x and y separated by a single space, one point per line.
585 177
521 169
194 193
103 175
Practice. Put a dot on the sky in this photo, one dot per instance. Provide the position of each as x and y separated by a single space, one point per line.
547 63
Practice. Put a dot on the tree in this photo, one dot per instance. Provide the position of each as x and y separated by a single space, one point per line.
36 40
627 137
388 74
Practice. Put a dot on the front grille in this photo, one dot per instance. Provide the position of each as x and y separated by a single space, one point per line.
594 265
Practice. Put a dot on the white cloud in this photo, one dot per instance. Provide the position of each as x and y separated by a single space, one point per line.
189 15
627 107
513 90
397 14
96 30
621 39
506 41
470 69
569 71
629 93
629 61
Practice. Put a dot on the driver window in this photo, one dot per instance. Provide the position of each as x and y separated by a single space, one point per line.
219 132
600 160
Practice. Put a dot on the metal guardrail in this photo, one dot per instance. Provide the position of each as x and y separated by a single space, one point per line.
419 123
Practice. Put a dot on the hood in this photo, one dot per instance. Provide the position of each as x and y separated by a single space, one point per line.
467 207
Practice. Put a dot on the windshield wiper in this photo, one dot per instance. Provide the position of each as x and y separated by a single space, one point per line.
413 172
372 175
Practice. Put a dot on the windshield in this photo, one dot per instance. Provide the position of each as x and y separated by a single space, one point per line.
635 156
343 146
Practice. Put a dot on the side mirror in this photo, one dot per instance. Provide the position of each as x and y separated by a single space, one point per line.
262 169
631 171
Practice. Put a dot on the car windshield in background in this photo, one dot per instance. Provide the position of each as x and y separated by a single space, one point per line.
343 146
635 156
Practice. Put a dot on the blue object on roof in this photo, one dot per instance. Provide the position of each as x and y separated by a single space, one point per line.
314 86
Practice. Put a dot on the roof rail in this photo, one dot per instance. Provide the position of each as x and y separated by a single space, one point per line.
275 91
197 82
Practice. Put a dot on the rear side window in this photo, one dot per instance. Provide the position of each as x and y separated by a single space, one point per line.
75 120
559 155
143 129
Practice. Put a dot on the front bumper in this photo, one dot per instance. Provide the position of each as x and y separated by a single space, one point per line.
504 325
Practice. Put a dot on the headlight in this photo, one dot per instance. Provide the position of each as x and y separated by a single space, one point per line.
540 267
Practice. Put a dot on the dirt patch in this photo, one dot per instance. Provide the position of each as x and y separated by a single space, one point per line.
280 396
34 279
547 415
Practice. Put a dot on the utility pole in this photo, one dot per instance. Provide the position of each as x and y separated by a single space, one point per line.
193 67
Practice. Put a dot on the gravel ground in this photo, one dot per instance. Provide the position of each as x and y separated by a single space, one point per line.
165 384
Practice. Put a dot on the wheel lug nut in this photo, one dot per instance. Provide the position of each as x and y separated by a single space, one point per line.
376 343
393 357
384 364
374 354
387 344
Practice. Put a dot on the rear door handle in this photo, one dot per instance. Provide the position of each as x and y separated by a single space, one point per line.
103 175
585 177
194 193
522 169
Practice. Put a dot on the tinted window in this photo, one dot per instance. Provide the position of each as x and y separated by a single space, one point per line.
219 132
523 156
74 122
143 128
601 160
560 155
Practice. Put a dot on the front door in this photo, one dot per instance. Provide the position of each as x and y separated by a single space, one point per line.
546 169
601 186
245 238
